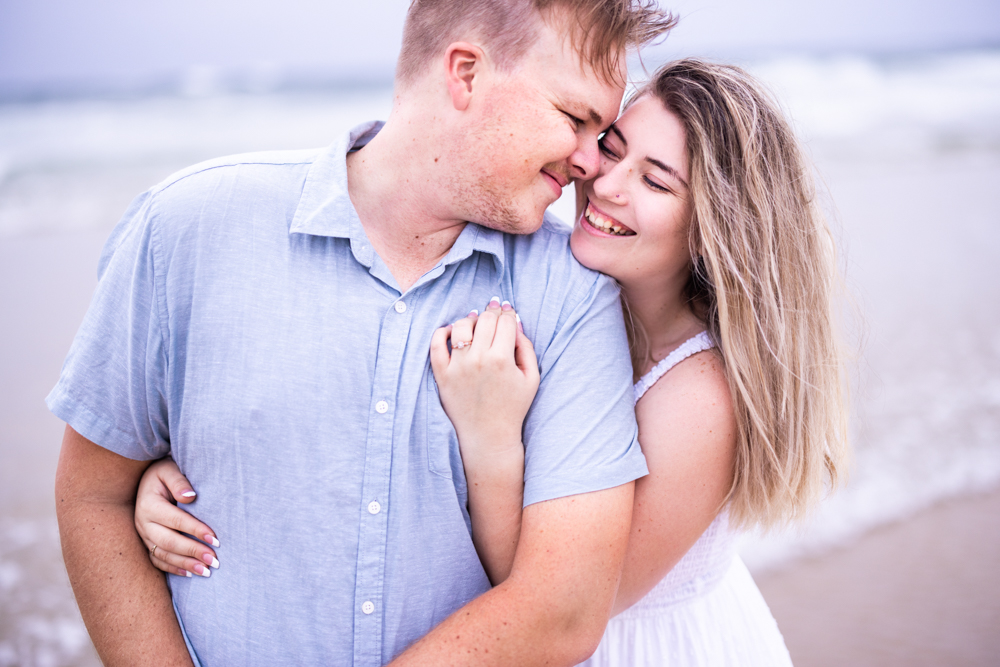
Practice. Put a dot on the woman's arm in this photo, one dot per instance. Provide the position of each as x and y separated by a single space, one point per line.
486 389
487 383
688 435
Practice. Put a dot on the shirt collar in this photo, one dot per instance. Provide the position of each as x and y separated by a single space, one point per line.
325 207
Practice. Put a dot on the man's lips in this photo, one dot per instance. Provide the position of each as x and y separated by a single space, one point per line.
556 181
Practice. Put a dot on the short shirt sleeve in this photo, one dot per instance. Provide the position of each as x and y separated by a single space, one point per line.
580 434
112 389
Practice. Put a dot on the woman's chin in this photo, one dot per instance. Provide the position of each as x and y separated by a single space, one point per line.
584 251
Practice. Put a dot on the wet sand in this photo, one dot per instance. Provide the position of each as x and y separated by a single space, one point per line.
924 592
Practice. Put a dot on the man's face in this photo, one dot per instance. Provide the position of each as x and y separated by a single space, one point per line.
536 130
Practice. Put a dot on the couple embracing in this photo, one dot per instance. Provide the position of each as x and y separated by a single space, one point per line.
412 406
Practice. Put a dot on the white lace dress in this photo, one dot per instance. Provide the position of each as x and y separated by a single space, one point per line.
707 611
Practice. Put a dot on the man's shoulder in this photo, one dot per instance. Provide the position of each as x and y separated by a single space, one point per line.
546 253
272 169
232 191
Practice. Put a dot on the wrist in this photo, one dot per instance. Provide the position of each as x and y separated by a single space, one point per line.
494 460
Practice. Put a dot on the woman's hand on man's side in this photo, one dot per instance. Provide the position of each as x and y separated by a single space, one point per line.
161 524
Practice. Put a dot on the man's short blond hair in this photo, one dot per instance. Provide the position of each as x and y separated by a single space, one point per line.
601 30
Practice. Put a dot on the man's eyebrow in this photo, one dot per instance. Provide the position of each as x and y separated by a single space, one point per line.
596 117
665 167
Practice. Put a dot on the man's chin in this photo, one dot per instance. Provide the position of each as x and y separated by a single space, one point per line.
511 223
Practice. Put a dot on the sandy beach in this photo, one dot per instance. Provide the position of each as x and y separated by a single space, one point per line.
900 568
924 592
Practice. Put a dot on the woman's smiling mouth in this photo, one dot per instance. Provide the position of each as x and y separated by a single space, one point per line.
604 223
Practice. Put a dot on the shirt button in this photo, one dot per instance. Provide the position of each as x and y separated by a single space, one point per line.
368 607
400 307
381 407
374 507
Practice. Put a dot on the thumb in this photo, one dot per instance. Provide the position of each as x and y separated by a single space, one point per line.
524 355
172 478
439 351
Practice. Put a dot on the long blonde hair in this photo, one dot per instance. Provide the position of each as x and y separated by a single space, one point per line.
763 278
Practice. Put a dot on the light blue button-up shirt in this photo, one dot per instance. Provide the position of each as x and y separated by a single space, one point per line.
244 325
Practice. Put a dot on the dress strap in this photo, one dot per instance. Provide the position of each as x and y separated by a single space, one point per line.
697 343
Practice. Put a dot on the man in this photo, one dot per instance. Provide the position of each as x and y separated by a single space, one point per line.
266 321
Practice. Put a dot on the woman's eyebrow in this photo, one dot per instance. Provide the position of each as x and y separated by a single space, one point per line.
667 168
618 133
652 160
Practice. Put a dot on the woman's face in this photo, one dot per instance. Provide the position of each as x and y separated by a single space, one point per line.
634 223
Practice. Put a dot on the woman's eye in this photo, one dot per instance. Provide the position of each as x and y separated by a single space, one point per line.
656 186
602 145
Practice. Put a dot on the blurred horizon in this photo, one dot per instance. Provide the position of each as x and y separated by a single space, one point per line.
57 49
897 105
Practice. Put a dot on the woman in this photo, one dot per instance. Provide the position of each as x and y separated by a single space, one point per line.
703 211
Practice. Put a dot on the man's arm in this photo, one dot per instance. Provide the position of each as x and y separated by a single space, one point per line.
553 608
123 599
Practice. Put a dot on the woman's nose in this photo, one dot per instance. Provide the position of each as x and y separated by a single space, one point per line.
610 188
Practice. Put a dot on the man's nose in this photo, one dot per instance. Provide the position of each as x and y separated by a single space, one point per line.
586 160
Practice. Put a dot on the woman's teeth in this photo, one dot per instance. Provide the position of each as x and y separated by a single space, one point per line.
605 225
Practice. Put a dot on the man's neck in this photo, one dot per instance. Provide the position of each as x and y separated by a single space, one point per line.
397 191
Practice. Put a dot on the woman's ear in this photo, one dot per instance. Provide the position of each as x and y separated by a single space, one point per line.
465 65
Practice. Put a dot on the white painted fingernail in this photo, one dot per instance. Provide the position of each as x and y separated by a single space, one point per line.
213 540
516 317
186 573
205 572
496 298
505 303
474 312
215 563
189 494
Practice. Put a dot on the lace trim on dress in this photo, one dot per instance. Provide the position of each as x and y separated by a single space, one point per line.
693 345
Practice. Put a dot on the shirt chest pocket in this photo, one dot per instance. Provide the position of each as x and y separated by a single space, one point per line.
443 455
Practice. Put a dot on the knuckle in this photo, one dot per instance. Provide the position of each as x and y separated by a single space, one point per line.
175 522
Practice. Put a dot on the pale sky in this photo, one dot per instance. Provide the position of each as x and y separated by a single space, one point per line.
73 44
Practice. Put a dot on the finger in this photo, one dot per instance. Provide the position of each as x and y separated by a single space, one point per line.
486 326
173 563
439 351
524 355
152 513
506 333
184 567
168 568
171 477
171 546
462 332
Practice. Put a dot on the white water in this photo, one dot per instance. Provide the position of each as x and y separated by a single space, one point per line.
909 149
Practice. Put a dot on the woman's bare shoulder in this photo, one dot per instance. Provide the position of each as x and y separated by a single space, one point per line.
691 403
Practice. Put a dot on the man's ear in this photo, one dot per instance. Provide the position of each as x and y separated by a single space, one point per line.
465 64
